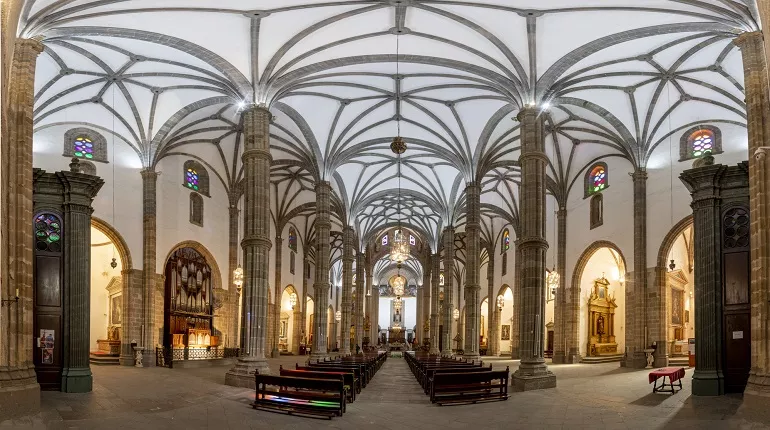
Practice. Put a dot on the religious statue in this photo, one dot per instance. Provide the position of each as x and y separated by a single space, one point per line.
600 325
601 320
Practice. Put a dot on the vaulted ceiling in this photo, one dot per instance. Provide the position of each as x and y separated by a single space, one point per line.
615 78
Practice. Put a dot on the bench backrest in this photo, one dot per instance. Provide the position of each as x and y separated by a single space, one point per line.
469 378
305 383
315 375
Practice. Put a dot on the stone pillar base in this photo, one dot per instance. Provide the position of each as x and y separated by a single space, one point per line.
634 360
708 383
19 397
317 356
127 360
149 358
470 357
559 358
275 353
515 353
77 380
242 375
532 377
758 385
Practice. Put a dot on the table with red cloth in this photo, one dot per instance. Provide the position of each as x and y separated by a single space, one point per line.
674 374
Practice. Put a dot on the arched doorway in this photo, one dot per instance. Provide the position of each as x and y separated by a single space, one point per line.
110 259
505 319
598 329
309 321
188 307
484 326
291 313
331 332
677 307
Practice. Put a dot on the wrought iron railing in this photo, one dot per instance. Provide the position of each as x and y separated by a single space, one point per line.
165 357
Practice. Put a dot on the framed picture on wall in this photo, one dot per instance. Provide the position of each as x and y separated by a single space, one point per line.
505 334
116 309
677 306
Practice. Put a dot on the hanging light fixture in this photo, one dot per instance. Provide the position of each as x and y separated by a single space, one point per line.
500 302
238 277
114 262
456 314
338 316
397 283
293 300
552 278
399 249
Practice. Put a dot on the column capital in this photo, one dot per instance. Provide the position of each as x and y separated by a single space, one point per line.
149 174
33 45
640 173
749 37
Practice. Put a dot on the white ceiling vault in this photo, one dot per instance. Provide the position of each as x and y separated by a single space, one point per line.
615 78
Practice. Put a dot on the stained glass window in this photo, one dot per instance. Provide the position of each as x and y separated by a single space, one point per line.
83 147
48 233
192 179
506 240
385 240
596 179
292 239
195 177
412 240
702 143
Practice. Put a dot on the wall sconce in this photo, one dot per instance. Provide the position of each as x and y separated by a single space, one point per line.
293 300
9 301
500 302
338 316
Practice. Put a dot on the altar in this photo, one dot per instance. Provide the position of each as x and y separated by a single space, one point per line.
601 321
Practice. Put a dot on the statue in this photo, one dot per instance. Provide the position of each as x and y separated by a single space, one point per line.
600 325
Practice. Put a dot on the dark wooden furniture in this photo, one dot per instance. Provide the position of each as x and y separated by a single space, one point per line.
471 387
323 398
347 377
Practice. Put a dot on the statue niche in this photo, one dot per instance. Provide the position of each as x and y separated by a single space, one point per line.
601 320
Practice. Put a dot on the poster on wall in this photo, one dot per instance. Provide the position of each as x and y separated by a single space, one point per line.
116 305
47 340
506 332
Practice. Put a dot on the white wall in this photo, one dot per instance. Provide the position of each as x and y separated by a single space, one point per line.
408 312
101 274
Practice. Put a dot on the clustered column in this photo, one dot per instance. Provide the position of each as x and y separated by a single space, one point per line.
361 295
19 391
323 192
303 297
374 309
561 308
149 255
532 373
449 259
256 246
637 296
493 325
473 261
435 261
426 287
348 246
277 293
758 110
232 264
516 317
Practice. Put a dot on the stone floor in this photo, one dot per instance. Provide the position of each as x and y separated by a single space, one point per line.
588 396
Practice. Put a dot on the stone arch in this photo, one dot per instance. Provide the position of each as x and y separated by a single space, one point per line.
502 289
572 313
117 239
212 262
671 237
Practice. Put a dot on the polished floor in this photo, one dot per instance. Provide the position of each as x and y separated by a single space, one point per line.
587 397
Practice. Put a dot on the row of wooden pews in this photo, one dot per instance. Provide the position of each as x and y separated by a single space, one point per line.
322 389
455 381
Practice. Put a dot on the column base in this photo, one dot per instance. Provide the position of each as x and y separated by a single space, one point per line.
315 356
19 393
559 358
275 353
708 383
515 353
126 360
532 376
758 385
634 360
242 375
472 356
77 380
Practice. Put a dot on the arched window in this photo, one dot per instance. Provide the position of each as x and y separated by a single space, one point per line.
196 209
597 179
700 141
292 239
48 233
385 240
292 262
597 211
88 168
195 177
85 144
412 240
506 243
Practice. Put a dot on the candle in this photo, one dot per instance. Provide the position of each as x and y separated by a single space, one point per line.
17 292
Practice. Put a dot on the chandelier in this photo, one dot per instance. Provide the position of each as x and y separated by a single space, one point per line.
456 314
397 304
552 279
399 249
500 302
338 316
293 300
398 283
238 277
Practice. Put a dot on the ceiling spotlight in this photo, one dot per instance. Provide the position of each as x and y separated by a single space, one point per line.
546 106
241 105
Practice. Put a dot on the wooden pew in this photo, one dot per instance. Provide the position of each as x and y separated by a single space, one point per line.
471 387
301 396
431 371
356 373
348 378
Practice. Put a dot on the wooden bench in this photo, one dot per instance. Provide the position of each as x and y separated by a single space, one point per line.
355 371
430 372
301 396
360 370
471 387
348 378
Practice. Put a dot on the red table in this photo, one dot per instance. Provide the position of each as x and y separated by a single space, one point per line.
674 374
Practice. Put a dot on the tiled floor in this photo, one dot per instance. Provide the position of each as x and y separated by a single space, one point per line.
587 396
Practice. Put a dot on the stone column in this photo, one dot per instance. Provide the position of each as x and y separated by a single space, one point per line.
449 261
532 373
296 327
348 246
303 300
515 328
232 264
149 256
256 247
323 191
636 296
472 263
79 192
361 296
19 391
493 325
563 298
435 260
758 110
426 287
277 294
374 310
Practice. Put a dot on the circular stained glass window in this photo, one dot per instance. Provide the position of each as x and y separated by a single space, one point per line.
48 233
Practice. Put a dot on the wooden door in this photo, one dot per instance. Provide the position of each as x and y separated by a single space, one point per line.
736 314
441 338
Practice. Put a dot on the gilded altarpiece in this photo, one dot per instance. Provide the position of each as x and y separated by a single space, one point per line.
601 320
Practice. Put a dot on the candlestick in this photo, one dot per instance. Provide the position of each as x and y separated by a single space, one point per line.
17 292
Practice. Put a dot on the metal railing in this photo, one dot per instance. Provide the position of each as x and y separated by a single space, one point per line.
165 357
